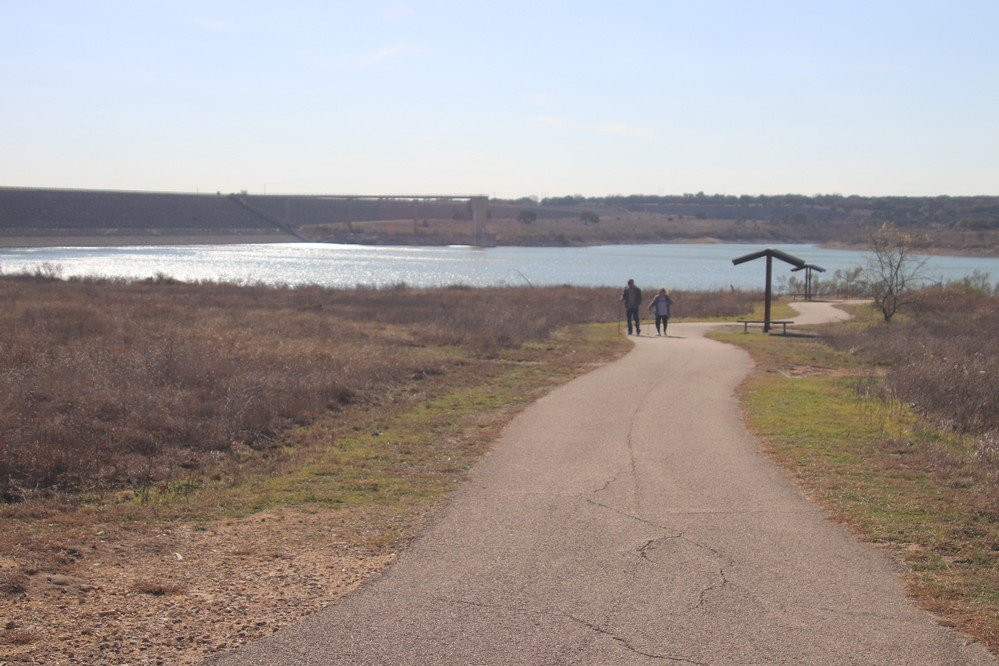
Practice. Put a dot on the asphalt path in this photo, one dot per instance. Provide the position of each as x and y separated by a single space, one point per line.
628 517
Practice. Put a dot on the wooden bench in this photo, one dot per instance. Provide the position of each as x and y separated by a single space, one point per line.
746 322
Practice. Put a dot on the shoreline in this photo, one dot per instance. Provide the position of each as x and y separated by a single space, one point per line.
932 251
39 242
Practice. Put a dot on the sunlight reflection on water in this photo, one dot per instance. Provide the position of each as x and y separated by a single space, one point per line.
683 266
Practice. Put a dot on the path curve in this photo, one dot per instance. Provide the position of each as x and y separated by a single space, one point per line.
628 517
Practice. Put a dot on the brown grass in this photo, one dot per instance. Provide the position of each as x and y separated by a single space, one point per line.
941 358
287 532
108 383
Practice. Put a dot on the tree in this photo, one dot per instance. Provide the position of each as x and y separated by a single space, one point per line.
527 217
589 217
893 271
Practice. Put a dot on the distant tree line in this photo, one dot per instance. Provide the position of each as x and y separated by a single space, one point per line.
968 213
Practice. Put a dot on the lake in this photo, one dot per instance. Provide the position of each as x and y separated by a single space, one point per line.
676 266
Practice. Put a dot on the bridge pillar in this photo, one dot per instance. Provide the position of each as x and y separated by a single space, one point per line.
480 211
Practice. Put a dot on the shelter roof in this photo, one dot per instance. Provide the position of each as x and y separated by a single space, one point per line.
783 256
812 266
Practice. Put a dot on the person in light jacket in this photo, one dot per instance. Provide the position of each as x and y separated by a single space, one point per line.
660 305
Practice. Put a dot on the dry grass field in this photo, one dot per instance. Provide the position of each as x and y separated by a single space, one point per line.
109 383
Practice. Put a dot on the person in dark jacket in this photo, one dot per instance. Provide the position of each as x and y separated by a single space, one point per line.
632 298
660 305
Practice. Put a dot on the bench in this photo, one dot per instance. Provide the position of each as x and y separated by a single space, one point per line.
746 322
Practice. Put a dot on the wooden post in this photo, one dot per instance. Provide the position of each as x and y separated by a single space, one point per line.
766 303
809 269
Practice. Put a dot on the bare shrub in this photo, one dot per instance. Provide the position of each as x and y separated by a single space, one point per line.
843 283
13 583
893 271
941 358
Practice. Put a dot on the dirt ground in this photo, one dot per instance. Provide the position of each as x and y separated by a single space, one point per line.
192 589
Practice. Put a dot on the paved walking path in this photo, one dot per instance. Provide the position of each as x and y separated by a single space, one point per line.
628 517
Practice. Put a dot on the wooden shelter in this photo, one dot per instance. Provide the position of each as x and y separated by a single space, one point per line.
769 253
808 268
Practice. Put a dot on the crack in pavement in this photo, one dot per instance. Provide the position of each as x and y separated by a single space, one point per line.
636 484
625 514
636 488
624 642
643 550
648 544
702 595
636 503
713 586
606 485
632 465
673 535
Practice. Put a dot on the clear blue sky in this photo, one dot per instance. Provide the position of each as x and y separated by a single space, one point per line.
502 98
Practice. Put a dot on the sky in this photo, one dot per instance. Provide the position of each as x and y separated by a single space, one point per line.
507 99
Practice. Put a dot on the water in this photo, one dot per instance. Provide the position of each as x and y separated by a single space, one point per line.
676 266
